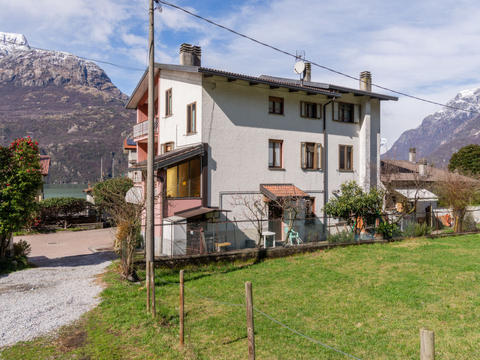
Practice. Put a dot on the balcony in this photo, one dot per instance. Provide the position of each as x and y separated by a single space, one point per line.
141 129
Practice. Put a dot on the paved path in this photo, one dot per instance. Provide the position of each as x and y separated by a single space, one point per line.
36 301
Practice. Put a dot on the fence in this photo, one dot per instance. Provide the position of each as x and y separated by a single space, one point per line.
185 237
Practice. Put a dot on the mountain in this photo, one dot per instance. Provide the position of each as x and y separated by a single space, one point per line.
444 132
69 105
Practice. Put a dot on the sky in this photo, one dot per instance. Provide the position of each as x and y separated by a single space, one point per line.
421 47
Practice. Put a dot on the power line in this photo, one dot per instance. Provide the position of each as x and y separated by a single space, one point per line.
81 57
310 61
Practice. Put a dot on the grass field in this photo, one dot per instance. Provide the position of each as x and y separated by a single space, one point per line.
369 301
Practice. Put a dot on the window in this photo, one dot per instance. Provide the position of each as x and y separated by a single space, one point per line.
310 208
191 118
310 110
168 102
183 180
345 158
275 105
311 156
167 147
275 154
349 113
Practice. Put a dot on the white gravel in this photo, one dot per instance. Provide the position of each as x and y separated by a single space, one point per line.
37 301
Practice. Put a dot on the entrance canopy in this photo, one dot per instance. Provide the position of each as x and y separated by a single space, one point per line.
276 191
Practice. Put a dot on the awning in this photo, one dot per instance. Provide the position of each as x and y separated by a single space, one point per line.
195 212
275 191
172 157
418 194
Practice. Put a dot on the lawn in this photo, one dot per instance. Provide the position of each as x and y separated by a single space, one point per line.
369 301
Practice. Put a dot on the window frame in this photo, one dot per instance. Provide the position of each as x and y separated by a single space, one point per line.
318 110
317 156
168 143
345 158
191 130
168 102
275 141
189 180
275 99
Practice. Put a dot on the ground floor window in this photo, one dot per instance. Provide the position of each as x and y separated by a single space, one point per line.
183 180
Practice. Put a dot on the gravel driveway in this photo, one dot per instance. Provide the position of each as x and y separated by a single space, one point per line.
36 301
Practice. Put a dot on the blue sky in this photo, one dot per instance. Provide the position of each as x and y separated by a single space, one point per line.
426 48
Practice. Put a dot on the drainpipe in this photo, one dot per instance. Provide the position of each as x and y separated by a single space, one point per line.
325 166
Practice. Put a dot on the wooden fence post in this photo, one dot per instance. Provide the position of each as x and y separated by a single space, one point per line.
250 325
147 282
181 315
427 345
152 288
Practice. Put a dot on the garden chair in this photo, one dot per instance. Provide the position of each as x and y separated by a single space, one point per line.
293 236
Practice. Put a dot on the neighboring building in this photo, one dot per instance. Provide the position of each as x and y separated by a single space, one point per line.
412 184
130 148
221 135
44 168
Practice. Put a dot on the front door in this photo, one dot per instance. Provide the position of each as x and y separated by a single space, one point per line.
275 223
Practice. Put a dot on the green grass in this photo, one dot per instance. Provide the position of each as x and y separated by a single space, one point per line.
369 301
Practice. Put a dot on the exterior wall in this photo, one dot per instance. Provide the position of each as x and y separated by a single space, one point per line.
237 128
186 89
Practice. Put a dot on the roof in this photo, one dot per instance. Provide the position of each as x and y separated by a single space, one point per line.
195 212
420 194
329 90
129 144
433 174
44 164
172 157
275 191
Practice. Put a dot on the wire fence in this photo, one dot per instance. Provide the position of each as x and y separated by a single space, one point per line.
213 235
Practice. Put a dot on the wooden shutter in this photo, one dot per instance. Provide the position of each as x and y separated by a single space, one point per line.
356 113
319 111
319 152
335 111
303 155
315 157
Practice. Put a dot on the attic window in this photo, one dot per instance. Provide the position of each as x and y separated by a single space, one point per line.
310 110
275 105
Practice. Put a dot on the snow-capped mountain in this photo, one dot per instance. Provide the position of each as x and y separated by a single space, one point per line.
444 132
66 103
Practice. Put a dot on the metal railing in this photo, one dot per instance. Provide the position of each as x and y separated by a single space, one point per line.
141 129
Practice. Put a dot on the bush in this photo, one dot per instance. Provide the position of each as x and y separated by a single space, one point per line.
21 249
417 230
342 237
388 230
60 209
469 223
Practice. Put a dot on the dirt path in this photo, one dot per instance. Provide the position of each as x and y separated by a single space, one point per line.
36 301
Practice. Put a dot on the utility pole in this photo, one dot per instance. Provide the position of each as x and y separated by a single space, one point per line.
149 241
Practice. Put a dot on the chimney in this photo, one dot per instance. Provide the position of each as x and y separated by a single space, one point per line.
412 155
190 55
366 81
307 74
422 167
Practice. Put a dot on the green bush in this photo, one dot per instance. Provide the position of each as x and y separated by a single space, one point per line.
342 237
469 223
62 207
21 249
417 230
388 230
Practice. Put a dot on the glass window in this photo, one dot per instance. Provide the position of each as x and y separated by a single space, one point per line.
345 156
172 182
275 153
275 105
184 179
310 158
345 112
168 102
192 118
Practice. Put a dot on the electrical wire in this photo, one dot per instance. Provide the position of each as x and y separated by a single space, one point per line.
310 61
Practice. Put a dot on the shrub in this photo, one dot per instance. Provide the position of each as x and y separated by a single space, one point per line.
469 223
416 230
21 249
388 230
342 237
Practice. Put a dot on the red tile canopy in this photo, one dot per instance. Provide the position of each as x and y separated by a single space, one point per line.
275 191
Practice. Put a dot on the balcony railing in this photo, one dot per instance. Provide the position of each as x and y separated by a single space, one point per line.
141 129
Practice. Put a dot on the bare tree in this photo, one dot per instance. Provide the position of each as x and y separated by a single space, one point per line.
458 192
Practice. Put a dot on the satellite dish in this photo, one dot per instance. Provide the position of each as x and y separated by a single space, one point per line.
299 67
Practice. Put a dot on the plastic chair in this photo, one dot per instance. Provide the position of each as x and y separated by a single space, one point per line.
293 236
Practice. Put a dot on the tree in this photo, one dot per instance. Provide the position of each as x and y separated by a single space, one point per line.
356 206
466 160
458 192
110 196
20 180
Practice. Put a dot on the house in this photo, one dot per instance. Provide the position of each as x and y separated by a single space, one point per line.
221 136
411 185
130 149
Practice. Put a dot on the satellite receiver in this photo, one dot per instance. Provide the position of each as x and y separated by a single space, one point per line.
299 67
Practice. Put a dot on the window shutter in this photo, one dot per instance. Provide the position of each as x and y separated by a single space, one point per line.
320 156
303 155
319 111
315 157
335 111
356 115
302 109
